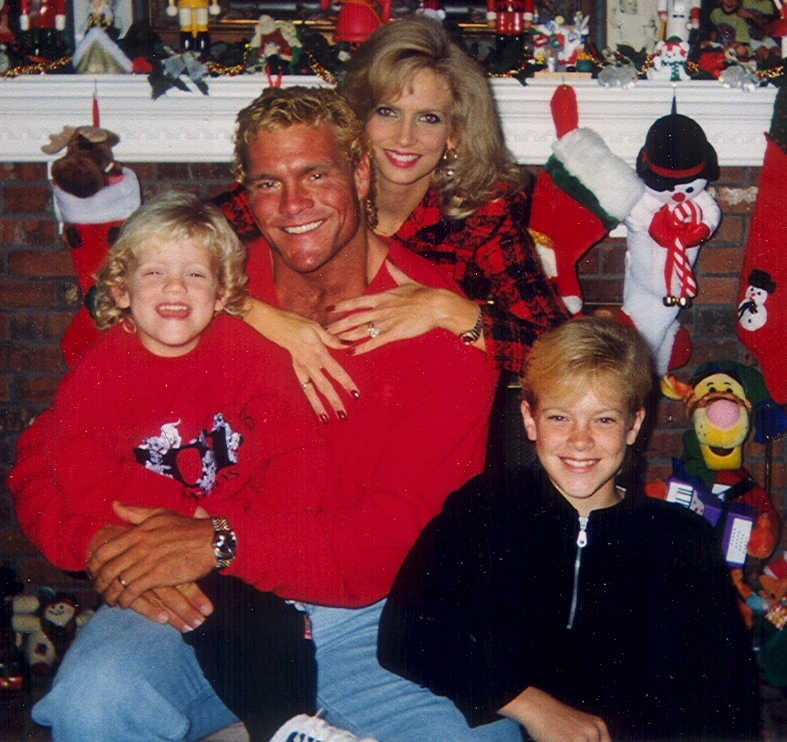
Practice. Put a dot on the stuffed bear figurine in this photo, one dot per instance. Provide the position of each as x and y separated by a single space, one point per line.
665 231
93 195
48 622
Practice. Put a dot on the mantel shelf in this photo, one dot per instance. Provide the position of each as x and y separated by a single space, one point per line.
191 127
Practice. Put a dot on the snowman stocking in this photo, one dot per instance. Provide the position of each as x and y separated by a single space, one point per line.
762 295
584 191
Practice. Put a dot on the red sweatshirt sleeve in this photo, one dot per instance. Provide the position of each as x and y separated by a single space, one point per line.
67 475
41 510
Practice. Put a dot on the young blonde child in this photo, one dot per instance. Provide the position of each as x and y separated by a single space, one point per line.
558 599
181 405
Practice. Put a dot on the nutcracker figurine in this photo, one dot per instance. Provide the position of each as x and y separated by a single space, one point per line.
42 24
512 20
193 17
678 18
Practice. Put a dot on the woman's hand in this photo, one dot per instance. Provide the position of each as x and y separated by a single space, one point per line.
548 720
307 342
407 311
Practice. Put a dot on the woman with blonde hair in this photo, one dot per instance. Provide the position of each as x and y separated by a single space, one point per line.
446 187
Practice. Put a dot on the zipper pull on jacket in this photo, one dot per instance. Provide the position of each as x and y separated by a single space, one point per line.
582 540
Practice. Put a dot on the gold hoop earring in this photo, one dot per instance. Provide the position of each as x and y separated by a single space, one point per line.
448 160
129 325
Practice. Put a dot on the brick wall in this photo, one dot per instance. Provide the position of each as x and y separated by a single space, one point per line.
39 295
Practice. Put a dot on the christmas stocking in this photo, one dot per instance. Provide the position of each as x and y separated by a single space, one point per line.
89 227
583 193
762 295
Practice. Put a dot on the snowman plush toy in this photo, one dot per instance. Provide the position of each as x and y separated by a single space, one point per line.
666 228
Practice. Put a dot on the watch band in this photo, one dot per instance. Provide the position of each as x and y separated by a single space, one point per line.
468 337
225 544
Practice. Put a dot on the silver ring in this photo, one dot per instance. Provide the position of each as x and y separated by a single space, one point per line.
122 581
306 383
373 330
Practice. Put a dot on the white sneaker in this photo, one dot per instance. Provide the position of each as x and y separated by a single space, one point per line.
303 728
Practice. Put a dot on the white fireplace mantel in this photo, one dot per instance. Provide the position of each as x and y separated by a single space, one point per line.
191 127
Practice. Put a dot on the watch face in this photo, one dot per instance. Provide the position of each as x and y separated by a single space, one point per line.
225 545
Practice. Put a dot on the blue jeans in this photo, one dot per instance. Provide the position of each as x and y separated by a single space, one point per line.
128 679
357 694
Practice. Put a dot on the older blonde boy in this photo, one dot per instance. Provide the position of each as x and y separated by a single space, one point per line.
558 599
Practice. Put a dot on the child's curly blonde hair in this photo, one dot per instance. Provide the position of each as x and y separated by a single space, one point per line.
172 216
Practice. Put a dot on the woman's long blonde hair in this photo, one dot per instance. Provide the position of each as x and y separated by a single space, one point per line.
383 67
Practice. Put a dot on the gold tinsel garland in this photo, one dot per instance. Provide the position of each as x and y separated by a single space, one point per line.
216 69
40 67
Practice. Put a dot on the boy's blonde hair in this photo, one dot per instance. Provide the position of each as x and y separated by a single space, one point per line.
597 352
279 108
383 68
172 216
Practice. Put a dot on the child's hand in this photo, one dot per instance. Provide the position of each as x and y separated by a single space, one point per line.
184 607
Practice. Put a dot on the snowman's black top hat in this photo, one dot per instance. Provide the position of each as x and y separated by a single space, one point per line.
676 151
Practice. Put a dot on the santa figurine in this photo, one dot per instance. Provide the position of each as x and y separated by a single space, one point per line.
665 230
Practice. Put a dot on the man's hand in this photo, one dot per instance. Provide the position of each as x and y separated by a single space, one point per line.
163 549
548 720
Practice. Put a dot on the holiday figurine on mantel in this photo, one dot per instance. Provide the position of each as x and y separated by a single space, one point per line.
42 24
665 230
193 16
678 18
669 61
358 19
512 20
97 52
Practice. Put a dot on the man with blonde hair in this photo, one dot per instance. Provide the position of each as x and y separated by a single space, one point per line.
416 432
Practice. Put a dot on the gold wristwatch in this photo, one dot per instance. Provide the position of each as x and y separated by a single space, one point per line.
225 544
468 337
